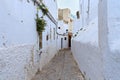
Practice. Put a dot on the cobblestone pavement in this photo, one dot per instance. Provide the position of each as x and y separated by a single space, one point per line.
61 67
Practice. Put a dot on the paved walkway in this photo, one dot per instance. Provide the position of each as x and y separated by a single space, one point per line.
61 67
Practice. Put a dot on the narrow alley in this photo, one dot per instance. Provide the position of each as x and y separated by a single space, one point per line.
61 67
35 37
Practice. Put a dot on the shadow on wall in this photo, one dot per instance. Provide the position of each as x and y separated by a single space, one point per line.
89 60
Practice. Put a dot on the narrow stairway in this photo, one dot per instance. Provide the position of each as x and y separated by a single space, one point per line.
61 67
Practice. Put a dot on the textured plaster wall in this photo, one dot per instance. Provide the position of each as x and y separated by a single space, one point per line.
18 40
16 23
18 63
91 66
98 56
62 26
85 46
112 58
53 8
88 11
64 44
48 53
20 57
62 30
77 25
109 19
49 47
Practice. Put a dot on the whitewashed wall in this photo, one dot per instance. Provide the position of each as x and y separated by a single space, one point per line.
77 23
85 49
49 46
112 57
18 38
64 44
53 8
16 23
62 26
96 48
85 46
88 11
109 20
19 52
62 30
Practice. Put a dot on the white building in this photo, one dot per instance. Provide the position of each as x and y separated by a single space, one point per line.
64 28
96 47
62 31
20 57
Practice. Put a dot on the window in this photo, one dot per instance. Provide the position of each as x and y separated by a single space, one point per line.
47 37
78 15
66 30
54 33
65 38
58 27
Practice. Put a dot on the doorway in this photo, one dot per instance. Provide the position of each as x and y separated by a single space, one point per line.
69 41
61 43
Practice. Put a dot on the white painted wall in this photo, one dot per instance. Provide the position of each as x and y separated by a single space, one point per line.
53 8
112 57
85 49
109 38
16 23
18 38
62 30
64 44
18 63
62 26
49 46
77 25
19 52
85 46
88 11
96 49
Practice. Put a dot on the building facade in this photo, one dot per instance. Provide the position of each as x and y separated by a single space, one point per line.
95 48
65 25
20 56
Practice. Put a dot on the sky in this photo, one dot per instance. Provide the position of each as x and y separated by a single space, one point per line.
73 5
